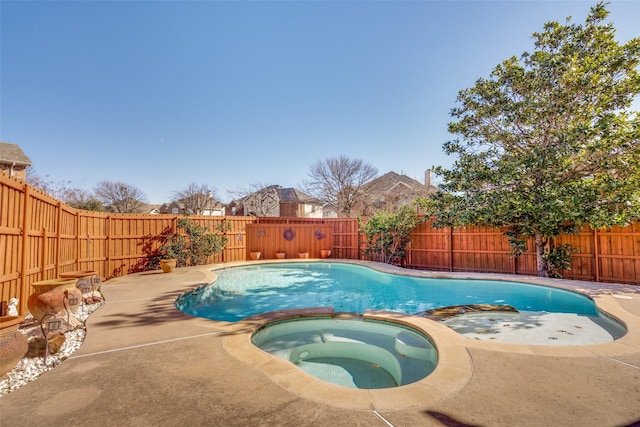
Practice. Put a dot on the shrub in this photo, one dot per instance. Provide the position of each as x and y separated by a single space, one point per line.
387 234
559 258
193 244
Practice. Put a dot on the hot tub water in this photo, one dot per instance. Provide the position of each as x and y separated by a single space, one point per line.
351 353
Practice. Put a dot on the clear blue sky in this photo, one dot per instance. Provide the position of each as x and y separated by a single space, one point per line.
232 93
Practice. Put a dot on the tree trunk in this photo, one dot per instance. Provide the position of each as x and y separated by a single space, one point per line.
541 242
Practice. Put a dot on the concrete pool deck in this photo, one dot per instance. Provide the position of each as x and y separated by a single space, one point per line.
144 363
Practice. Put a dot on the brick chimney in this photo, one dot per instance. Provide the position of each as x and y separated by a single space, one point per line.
427 178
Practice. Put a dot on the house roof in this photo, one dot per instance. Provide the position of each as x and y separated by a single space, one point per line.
391 180
291 195
12 153
211 204
294 195
149 208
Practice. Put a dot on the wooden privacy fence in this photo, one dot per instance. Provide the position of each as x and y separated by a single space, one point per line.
41 237
269 239
292 235
603 255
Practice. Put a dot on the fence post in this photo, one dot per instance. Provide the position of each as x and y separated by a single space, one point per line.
107 249
515 257
450 248
58 237
77 242
358 245
43 254
87 254
596 250
26 212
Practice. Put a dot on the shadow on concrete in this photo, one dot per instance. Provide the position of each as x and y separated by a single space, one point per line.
157 310
448 421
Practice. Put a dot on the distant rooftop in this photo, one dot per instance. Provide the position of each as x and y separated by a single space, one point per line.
12 153
294 195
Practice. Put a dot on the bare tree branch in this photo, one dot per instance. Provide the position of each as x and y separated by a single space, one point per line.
119 197
339 182
196 198
258 199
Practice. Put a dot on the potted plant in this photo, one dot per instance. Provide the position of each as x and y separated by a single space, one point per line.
255 255
192 244
170 251
281 255
167 265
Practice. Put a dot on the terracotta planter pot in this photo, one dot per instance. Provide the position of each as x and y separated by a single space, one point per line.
281 255
167 265
303 254
49 297
255 255
13 343
325 253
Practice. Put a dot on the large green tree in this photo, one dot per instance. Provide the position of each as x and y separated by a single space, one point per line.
549 142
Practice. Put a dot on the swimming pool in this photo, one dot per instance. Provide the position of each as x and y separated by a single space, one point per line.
241 292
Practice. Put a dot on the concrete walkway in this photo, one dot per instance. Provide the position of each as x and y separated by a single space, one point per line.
144 363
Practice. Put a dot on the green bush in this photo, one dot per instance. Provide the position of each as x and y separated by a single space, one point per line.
193 244
387 234
559 258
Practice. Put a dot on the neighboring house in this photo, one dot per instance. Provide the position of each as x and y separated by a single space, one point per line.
329 211
275 201
13 160
392 190
295 203
212 208
147 208
235 208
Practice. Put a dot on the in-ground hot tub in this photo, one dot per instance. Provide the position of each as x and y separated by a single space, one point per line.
350 351
442 378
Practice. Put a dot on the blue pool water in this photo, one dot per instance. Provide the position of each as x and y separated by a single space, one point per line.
241 292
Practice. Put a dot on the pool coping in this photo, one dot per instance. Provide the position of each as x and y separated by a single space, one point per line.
455 366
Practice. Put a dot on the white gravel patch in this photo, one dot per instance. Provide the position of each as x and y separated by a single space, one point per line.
30 368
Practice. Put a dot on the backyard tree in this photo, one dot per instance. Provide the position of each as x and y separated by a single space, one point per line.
196 198
82 199
74 197
119 197
549 142
44 183
340 182
258 199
